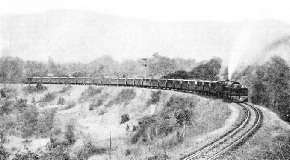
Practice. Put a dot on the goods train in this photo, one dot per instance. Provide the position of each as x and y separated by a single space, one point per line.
228 90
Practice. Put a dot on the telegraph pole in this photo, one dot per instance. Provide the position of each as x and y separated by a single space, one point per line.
145 65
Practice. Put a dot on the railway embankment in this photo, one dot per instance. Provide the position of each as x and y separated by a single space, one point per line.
270 141
142 123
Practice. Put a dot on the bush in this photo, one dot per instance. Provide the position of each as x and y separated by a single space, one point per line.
69 134
88 150
28 121
96 104
48 98
26 156
56 150
20 104
60 101
69 105
124 118
155 97
124 96
45 122
33 89
89 93
5 107
4 155
65 89
8 92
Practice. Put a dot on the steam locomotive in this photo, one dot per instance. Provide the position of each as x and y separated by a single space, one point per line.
228 90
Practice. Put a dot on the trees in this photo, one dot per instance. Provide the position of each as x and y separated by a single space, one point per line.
180 74
34 68
159 66
207 71
269 85
277 78
11 69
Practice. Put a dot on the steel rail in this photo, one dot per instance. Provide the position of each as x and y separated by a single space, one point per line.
257 123
221 139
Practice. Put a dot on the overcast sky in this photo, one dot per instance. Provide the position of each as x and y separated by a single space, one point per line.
165 10
42 28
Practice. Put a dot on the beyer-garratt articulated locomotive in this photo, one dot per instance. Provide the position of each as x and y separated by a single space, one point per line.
229 90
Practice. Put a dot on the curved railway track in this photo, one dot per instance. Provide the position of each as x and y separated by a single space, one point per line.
250 123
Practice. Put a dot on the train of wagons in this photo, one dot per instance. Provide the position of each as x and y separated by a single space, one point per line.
228 90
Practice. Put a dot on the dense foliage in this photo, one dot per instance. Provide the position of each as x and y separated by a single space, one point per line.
15 70
269 85
206 71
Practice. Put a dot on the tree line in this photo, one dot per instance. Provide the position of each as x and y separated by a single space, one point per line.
14 69
268 85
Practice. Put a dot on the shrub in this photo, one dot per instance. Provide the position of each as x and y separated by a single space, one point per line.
124 118
28 121
45 122
65 89
48 97
60 101
89 93
124 96
69 105
56 150
26 156
33 100
155 97
4 155
69 134
96 104
8 92
5 107
89 149
33 89
20 104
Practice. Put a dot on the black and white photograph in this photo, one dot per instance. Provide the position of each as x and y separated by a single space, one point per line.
144 79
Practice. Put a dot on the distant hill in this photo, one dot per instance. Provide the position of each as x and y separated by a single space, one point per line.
79 36
68 35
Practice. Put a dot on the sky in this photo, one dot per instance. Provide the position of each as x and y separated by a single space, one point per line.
162 10
37 32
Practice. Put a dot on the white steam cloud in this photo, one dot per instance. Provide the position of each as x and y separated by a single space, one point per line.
253 41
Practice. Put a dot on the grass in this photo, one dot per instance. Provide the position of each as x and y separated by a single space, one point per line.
88 149
45 122
271 141
33 89
48 97
155 97
61 101
96 104
182 119
8 92
90 93
124 96
69 105
65 89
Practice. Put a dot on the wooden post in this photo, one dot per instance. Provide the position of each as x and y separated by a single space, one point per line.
110 145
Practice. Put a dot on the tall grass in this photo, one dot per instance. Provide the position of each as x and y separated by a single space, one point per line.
90 93
48 97
125 95
45 122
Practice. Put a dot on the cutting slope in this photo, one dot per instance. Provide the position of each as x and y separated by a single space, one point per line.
159 123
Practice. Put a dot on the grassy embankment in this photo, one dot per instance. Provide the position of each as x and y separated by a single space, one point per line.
76 122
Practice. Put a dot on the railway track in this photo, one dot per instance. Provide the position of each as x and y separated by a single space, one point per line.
250 123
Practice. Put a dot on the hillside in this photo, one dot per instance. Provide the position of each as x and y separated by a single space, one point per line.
79 120
153 129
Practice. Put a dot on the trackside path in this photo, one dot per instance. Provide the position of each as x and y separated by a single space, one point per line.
250 123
